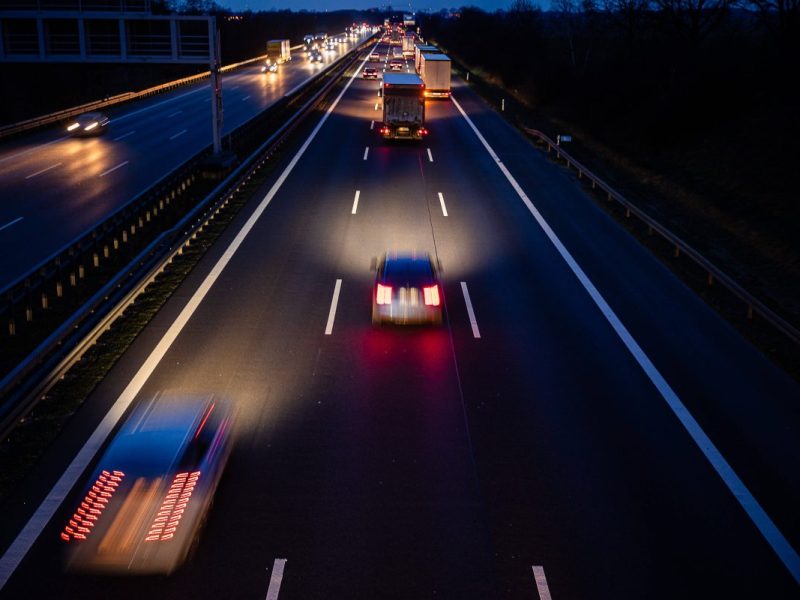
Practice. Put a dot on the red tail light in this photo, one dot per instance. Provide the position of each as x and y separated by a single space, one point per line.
384 294
174 505
81 523
431 295
423 131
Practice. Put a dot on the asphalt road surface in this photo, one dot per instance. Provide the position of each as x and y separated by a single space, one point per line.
54 188
545 442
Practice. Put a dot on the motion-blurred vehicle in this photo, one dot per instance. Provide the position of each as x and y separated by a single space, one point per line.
150 493
407 290
369 73
374 57
269 67
395 64
315 56
87 124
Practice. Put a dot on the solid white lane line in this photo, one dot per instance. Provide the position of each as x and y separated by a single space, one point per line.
276 578
177 135
157 104
780 545
355 202
10 223
245 98
45 170
175 114
366 152
541 583
441 201
475 331
430 156
122 137
371 125
33 528
112 169
334 302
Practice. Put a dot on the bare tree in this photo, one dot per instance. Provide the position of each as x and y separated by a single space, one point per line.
694 20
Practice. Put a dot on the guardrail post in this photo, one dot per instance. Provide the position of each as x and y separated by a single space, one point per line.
628 212
12 327
116 243
677 252
649 230
72 279
95 259
81 272
147 216
710 278
141 222
28 314
44 300
59 289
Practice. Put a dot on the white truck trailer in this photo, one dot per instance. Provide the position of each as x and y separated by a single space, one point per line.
435 73
419 50
403 107
408 45
278 51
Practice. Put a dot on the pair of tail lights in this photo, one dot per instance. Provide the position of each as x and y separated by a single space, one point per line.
430 295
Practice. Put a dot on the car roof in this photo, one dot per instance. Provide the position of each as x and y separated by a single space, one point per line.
408 269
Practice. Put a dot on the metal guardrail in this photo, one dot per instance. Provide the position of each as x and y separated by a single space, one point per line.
754 305
53 357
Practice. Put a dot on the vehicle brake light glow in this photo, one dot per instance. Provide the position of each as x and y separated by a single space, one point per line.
165 523
84 518
73 127
384 294
423 131
431 294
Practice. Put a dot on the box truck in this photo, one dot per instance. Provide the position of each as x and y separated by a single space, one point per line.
278 51
435 74
419 50
403 107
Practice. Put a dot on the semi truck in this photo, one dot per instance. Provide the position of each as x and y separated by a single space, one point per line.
408 45
435 73
419 50
403 107
278 51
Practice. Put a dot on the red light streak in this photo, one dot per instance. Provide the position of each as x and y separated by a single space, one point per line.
174 505
92 506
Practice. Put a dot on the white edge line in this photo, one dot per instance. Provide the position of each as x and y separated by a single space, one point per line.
334 303
355 202
39 520
112 169
175 114
735 485
541 583
122 137
179 134
441 201
472 321
275 579
10 223
245 98
371 124
366 152
45 170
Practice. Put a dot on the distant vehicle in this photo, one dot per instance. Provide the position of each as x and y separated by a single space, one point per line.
408 45
269 67
331 45
420 49
88 124
396 64
315 56
375 57
148 497
435 73
407 290
403 107
278 51
369 73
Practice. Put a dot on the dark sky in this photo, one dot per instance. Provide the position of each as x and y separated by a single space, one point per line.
257 5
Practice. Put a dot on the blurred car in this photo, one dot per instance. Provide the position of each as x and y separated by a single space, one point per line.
91 123
407 290
374 57
395 64
149 495
315 56
369 73
270 68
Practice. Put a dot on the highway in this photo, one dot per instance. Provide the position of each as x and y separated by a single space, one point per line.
547 441
54 187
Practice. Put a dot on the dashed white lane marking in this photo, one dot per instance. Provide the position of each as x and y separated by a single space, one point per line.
123 136
45 170
334 302
376 106
430 156
475 331
355 202
245 98
235 87
441 201
10 223
371 125
175 114
33 528
112 169
780 545
177 135
276 578
541 583
366 152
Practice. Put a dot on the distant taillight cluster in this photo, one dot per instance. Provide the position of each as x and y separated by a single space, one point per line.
96 500
169 515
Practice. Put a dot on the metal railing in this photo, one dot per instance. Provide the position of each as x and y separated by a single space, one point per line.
680 247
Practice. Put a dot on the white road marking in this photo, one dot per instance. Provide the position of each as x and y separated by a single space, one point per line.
45 170
175 114
112 169
371 125
177 135
122 137
276 578
245 98
541 583
157 104
10 223
25 152
33 528
441 201
770 532
235 87
376 106
430 156
475 331
355 202
334 302
366 152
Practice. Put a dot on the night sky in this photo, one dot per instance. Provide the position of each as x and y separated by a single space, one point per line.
435 5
